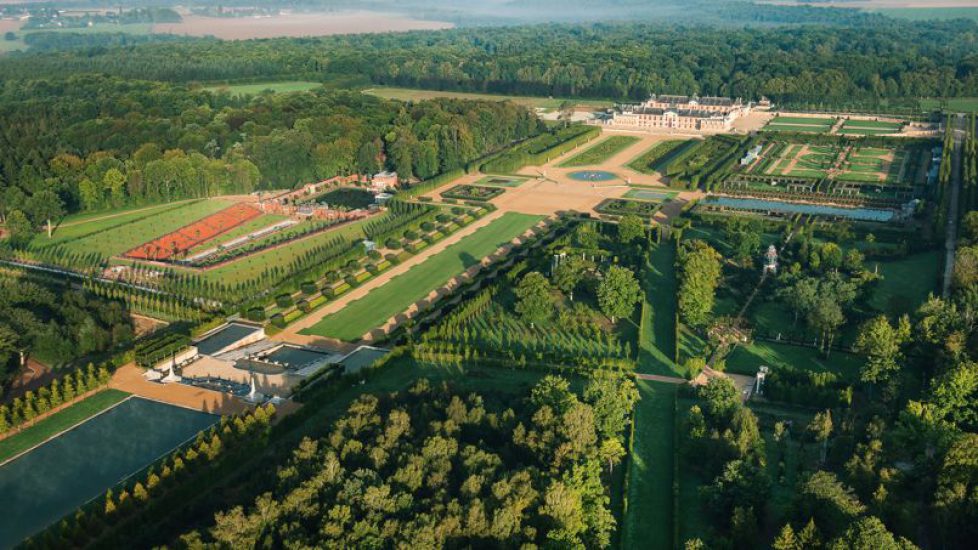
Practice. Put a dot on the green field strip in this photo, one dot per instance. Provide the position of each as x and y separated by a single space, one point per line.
601 151
648 522
657 338
815 121
397 295
796 128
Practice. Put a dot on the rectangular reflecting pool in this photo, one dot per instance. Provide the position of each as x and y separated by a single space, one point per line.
759 205
55 478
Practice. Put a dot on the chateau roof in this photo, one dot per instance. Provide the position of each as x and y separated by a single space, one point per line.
685 99
697 113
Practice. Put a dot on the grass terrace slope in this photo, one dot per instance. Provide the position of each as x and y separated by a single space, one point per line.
367 313
601 151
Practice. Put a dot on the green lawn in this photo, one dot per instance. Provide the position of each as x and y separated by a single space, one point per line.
360 316
114 236
76 226
960 104
12 45
657 340
811 121
600 152
906 282
647 162
650 515
877 124
59 422
276 87
547 103
746 359
797 128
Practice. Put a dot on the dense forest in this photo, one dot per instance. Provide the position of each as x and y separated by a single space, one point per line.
434 468
57 322
92 142
887 58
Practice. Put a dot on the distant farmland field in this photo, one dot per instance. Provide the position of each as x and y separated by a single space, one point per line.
295 24
409 94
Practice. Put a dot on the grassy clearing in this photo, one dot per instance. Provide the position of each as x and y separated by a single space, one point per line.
877 124
959 104
113 234
59 422
274 87
82 225
649 519
657 340
369 312
800 120
547 103
602 151
906 282
12 45
746 359
918 14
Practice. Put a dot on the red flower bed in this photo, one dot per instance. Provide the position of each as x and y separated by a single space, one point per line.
189 236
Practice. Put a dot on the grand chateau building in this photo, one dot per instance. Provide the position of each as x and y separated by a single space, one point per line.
680 112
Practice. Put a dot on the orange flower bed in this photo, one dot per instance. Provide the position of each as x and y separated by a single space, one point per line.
189 236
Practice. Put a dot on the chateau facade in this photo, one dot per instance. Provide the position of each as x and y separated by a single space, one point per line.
680 112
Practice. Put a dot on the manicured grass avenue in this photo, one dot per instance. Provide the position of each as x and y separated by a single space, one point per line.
649 517
59 422
657 340
601 152
369 312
